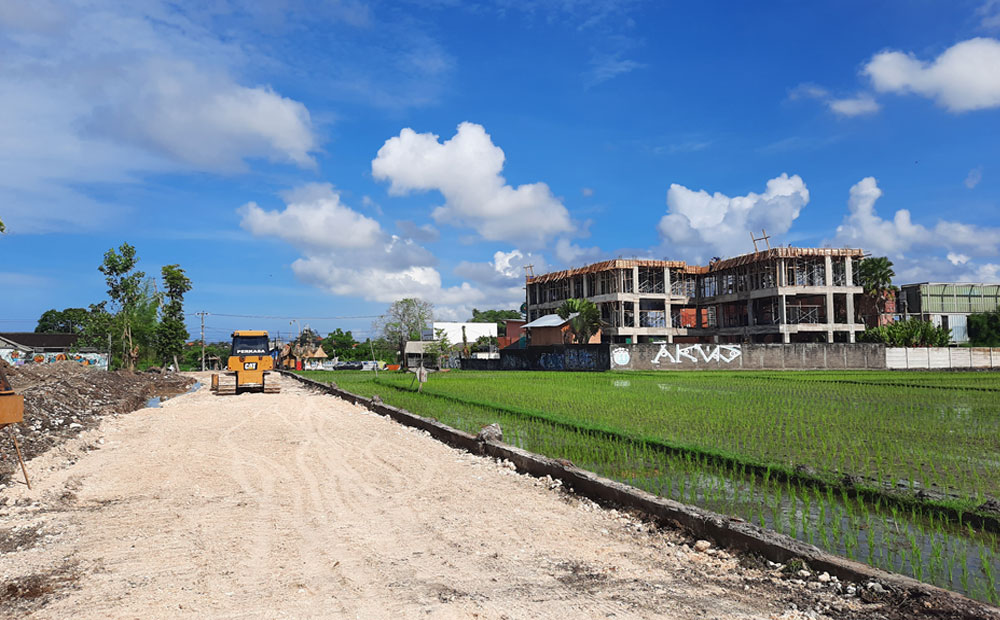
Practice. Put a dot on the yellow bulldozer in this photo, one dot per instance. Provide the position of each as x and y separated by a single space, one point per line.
250 366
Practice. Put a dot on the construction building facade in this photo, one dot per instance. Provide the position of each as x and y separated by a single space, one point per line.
771 296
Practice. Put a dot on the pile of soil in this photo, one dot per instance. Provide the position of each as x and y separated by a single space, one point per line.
65 398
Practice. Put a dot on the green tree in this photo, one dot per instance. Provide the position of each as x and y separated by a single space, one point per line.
3 228
128 296
98 328
875 276
984 329
404 320
439 346
584 318
171 333
343 346
67 321
484 343
494 316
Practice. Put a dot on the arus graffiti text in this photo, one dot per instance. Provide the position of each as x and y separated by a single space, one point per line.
697 353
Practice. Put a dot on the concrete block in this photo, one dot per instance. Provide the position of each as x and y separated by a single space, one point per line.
980 357
896 358
814 356
938 358
836 356
917 358
960 358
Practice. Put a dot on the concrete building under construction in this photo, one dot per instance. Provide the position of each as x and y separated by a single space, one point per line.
775 295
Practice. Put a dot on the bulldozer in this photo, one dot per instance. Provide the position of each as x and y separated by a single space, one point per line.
250 366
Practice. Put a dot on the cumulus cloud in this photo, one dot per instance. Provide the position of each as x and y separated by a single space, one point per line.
314 218
466 170
424 233
946 251
104 92
697 220
974 177
963 78
349 254
570 253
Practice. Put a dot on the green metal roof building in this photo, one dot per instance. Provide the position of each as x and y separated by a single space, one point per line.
948 304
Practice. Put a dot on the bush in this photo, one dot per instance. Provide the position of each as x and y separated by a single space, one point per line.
908 333
984 329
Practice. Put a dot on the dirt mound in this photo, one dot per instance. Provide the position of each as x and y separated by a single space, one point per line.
65 398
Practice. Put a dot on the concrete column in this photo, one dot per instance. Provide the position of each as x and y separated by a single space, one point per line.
749 313
666 281
635 314
828 269
849 272
586 293
635 279
779 278
572 287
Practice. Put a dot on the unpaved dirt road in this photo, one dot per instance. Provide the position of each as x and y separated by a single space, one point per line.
300 505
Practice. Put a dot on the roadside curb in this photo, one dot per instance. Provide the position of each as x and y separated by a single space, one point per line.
722 530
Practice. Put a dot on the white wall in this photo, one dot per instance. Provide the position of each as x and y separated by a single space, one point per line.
914 358
472 330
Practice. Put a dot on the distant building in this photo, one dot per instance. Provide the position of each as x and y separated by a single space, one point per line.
453 331
18 348
514 334
775 295
553 329
947 304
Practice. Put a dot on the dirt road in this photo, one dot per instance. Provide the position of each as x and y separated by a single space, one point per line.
300 505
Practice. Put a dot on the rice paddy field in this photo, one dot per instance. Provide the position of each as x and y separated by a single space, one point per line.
899 470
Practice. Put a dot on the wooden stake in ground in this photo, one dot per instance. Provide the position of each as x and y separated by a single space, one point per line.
20 460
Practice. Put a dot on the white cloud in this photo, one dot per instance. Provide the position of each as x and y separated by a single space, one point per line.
989 13
957 259
698 222
854 106
466 170
314 218
609 66
349 254
964 77
858 105
572 254
424 233
975 176
104 92
864 228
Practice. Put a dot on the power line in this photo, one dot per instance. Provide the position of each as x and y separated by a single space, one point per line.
290 318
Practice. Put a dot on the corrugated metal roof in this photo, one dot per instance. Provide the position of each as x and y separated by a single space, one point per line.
549 320
416 346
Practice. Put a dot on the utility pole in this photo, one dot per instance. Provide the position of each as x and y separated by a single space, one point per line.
202 315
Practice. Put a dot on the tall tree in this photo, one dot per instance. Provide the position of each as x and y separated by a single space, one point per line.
585 321
494 316
875 276
125 288
404 320
343 346
171 333
67 321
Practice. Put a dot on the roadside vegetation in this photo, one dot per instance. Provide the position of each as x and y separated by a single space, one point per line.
900 470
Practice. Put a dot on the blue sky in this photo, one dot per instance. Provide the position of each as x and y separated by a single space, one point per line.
321 159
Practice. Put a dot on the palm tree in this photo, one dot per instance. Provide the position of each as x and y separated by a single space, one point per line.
875 276
584 318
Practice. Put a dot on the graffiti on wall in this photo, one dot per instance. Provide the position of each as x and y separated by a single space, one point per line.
696 353
15 357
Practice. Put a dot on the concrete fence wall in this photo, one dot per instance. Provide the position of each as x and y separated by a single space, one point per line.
747 356
942 358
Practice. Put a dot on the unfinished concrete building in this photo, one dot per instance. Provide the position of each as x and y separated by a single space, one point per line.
775 295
